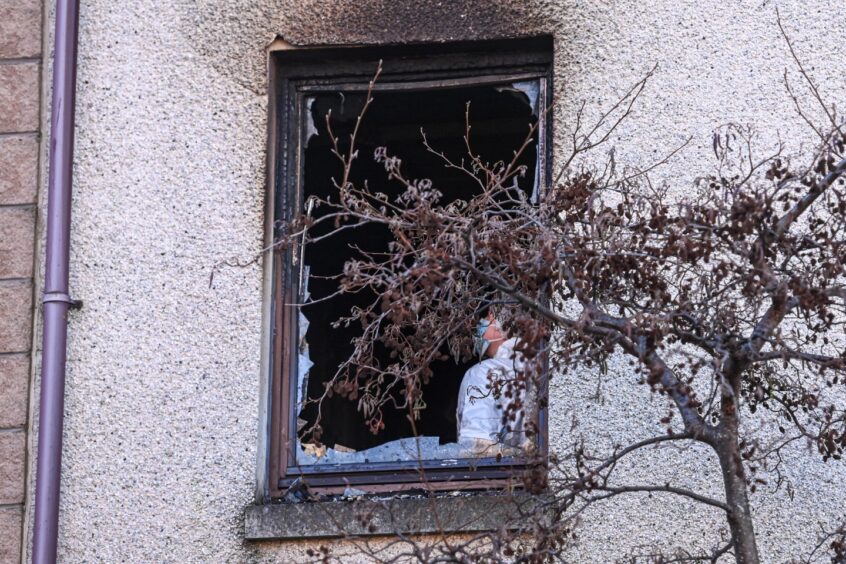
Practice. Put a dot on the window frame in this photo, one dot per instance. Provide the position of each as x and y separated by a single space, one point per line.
295 74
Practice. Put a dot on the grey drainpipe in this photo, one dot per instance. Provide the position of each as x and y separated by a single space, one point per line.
56 299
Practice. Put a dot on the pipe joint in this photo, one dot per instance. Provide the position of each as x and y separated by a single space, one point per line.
61 297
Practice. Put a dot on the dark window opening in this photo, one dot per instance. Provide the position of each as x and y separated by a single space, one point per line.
500 116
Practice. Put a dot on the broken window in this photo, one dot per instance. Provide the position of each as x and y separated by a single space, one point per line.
506 85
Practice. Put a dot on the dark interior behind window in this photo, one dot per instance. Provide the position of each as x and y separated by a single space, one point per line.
500 116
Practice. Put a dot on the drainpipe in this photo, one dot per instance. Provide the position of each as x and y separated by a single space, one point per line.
56 299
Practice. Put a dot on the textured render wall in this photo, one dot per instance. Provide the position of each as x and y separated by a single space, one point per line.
162 415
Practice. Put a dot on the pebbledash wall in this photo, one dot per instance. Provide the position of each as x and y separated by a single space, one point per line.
162 420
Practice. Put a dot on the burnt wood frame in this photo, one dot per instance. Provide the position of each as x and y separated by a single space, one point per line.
408 67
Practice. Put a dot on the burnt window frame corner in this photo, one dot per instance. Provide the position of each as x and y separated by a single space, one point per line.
411 66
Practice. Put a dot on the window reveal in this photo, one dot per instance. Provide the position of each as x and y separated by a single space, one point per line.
506 92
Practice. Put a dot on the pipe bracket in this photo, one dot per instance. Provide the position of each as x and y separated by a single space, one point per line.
61 297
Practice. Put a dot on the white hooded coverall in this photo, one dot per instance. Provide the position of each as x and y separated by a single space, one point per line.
479 415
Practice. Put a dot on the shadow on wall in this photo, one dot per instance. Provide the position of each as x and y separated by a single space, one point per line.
231 35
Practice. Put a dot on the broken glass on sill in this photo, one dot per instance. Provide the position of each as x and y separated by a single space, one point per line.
401 450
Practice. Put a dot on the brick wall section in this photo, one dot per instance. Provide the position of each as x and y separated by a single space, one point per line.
20 73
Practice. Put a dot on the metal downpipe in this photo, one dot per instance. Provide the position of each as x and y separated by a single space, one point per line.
56 299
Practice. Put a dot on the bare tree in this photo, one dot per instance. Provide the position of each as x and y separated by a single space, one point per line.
731 303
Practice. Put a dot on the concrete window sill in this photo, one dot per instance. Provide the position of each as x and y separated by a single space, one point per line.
401 514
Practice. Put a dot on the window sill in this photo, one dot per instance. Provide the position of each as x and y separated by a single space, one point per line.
449 513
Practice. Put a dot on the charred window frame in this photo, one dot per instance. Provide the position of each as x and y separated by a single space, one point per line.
293 75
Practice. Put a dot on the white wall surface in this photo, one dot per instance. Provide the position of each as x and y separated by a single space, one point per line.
162 412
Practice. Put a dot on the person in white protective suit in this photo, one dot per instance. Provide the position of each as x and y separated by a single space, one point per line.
479 414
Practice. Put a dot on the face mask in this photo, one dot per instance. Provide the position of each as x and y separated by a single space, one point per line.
480 344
